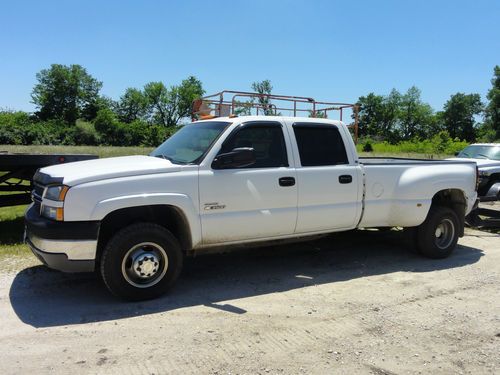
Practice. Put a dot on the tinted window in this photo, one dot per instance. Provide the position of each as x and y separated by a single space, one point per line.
320 145
266 140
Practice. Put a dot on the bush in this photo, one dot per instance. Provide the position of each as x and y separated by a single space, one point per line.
19 128
83 133
138 133
441 143
42 133
11 127
367 147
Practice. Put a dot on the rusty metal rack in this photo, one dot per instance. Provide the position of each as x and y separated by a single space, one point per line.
232 103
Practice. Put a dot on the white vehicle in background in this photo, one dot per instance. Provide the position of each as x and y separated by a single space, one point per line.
229 181
487 158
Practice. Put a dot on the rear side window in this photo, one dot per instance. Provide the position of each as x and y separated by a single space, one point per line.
267 141
319 145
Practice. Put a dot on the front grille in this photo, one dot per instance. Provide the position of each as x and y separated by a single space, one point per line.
37 194
38 189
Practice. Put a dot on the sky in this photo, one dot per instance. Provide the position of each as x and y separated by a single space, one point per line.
329 50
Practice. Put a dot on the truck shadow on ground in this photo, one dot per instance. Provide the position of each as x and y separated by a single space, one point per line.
44 298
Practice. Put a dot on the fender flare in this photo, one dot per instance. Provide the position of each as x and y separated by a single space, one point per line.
180 201
493 192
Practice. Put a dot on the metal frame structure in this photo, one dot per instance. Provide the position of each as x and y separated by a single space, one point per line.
17 170
484 218
227 102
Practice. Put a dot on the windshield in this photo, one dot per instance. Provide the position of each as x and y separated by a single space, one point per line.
191 142
481 152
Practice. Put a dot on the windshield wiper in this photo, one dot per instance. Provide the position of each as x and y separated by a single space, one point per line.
173 161
485 156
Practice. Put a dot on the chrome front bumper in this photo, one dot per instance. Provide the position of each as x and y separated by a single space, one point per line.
64 255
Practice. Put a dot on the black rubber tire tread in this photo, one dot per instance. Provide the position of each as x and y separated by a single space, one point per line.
425 233
121 242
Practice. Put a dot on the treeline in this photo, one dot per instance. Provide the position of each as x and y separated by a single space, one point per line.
70 110
398 117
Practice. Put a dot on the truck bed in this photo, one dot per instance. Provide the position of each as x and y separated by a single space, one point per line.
398 191
399 161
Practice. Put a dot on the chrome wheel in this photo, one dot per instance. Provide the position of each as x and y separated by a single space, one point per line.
145 264
444 234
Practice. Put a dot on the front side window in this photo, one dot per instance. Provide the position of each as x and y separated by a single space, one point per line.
266 140
191 142
319 145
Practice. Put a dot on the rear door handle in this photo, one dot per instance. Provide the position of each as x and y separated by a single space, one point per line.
345 179
287 181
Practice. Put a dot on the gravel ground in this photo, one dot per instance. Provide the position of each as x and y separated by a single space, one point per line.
359 302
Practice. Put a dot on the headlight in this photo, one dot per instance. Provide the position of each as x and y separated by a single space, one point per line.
56 193
54 210
54 213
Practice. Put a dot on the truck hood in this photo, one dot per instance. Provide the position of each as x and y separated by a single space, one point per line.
100 169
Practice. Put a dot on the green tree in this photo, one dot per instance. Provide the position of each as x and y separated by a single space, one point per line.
243 108
66 93
459 114
416 119
132 105
390 116
371 115
263 88
317 114
167 106
108 126
379 115
157 96
492 111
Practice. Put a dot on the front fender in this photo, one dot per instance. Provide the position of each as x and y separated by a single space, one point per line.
181 201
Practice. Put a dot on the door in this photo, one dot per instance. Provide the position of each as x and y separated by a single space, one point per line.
328 183
258 201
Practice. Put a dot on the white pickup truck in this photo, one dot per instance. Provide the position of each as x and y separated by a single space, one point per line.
231 181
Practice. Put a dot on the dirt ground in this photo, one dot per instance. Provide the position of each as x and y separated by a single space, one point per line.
359 302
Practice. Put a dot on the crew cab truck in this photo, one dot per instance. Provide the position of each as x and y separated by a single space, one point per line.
231 181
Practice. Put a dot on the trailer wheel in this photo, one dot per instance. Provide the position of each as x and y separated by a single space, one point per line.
141 261
437 236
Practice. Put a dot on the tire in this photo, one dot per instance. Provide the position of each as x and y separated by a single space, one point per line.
141 261
438 235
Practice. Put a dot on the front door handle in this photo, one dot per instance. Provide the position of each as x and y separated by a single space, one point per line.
287 181
345 179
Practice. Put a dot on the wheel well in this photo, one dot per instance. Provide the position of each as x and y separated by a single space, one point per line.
170 217
485 187
454 199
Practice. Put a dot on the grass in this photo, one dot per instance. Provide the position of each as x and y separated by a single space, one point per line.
110 151
102 151
11 236
411 155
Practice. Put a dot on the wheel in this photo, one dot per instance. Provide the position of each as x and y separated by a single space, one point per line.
437 236
141 262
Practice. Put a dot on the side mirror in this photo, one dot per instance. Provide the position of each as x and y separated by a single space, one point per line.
238 158
456 153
